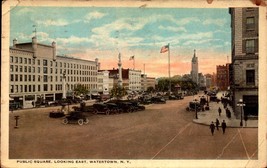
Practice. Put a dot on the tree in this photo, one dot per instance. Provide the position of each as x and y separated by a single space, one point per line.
150 89
118 92
80 89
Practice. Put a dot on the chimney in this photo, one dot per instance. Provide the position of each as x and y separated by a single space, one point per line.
34 47
54 50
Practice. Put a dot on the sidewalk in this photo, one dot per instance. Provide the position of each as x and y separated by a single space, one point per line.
207 117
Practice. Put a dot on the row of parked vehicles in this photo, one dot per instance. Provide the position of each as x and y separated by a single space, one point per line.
78 115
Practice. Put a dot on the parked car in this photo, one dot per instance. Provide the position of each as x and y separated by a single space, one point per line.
193 106
158 100
101 108
75 117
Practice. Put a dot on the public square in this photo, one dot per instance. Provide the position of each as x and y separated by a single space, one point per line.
162 131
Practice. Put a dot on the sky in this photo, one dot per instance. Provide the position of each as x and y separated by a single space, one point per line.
104 32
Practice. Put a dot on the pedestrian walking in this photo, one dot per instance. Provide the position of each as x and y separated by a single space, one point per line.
212 127
219 111
217 123
223 126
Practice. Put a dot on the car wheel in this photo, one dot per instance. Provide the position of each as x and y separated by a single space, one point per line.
86 121
80 121
65 121
95 111
107 112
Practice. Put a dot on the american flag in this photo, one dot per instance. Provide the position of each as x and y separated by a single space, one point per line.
164 49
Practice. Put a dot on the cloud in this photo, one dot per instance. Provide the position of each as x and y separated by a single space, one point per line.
174 29
52 22
93 15
218 22
73 40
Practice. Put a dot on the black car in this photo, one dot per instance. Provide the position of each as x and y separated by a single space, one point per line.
158 100
101 108
75 117
194 106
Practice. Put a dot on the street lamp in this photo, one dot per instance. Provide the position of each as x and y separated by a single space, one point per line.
195 101
241 104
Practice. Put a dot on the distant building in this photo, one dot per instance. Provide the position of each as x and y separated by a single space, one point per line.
147 82
201 81
103 82
194 68
222 77
245 55
131 79
36 72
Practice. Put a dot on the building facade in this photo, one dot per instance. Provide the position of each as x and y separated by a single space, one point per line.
194 68
103 82
222 76
244 25
131 79
147 82
36 72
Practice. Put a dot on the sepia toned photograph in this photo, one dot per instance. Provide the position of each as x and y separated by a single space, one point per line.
133 86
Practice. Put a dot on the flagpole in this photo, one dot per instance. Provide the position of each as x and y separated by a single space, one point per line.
134 63
169 68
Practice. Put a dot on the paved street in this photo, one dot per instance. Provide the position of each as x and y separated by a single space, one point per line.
162 131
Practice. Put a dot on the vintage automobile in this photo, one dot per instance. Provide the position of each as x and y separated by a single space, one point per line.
75 117
193 106
158 100
101 108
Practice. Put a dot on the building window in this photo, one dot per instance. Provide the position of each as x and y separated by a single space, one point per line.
11 68
51 63
21 88
11 59
20 78
51 78
56 71
16 60
25 88
25 60
38 61
25 78
51 87
16 77
39 78
30 88
60 64
45 87
12 88
56 64
30 78
33 61
39 70
33 88
45 70
20 68
29 69
250 77
30 61
11 77
44 62
39 88
51 70
250 23
16 68
250 46
25 69
33 78
33 69
45 78
20 60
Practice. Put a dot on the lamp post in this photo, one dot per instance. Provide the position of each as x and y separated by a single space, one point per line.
195 102
241 104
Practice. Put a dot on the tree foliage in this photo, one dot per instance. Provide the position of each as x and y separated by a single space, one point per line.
184 82
80 89
118 92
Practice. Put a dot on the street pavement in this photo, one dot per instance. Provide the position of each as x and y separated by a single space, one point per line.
208 116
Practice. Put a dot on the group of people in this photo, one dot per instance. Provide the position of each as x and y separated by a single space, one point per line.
217 124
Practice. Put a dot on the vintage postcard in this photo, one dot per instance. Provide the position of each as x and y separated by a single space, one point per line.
133 84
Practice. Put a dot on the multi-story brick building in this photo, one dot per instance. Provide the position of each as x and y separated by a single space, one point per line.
245 31
37 72
222 77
